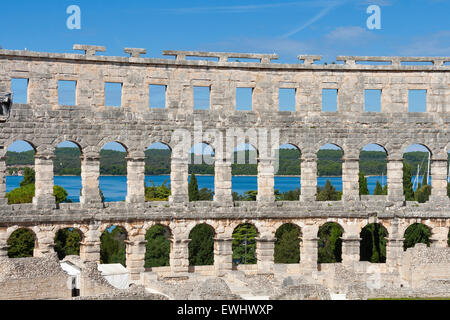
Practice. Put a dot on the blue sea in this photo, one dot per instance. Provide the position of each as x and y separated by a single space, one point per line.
114 188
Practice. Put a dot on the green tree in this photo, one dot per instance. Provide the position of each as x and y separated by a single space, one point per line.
193 189
416 233
363 190
205 194
112 247
21 244
328 193
158 247
330 243
67 242
422 194
287 245
28 177
157 193
407 184
201 246
242 250
378 189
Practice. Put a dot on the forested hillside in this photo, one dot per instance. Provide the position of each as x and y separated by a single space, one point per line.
67 162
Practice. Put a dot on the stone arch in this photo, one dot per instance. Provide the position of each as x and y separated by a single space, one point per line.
158 246
288 159
22 242
330 243
116 174
158 186
78 141
372 164
67 241
287 244
416 233
420 188
113 247
244 243
202 161
201 246
373 243
243 165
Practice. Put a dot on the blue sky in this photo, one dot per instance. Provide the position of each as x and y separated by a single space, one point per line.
289 28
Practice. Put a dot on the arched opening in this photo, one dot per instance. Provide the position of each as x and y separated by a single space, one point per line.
67 242
201 246
20 172
244 170
373 243
329 173
330 243
244 244
287 173
416 233
21 243
158 158
113 172
287 245
113 246
416 173
157 249
373 170
67 169
201 171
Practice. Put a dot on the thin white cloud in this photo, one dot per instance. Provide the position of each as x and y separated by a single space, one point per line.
436 44
351 33
317 17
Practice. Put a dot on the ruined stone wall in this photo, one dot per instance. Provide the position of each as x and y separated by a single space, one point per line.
90 124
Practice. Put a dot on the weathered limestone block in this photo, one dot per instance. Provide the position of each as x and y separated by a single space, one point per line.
135 180
222 182
90 173
265 180
350 185
179 180
223 255
43 195
395 180
135 257
350 249
439 180
265 254
179 255
309 249
394 252
308 179
3 199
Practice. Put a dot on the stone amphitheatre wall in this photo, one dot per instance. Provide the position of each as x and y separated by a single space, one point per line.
90 124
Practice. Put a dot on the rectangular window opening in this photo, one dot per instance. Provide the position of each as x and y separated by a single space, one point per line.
417 101
113 94
67 93
244 99
329 100
19 89
157 96
202 98
286 99
372 100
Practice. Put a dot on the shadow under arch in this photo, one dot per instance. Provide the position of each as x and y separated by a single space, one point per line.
157 248
416 233
201 246
22 243
67 242
287 244
330 243
373 243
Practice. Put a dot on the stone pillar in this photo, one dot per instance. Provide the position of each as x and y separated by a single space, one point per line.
439 180
179 180
439 237
3 199
394 252
135 179
3 243
265 248
265 180
43 166
179 255
395 179
44 242
135 258
90 245
308 249
223 255
90 173
350 249
222 181
308 178
350 179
